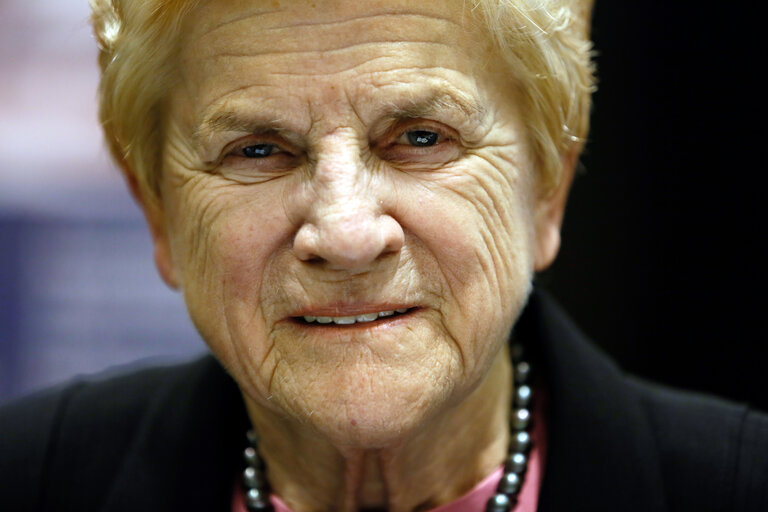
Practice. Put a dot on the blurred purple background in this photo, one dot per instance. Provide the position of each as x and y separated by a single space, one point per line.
78 289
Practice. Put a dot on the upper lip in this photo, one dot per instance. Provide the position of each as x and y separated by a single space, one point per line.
341 309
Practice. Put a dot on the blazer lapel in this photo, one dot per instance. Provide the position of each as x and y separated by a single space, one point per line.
186 453
601 453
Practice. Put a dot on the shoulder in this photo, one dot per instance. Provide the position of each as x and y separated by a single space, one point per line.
75 434
620 443
710 449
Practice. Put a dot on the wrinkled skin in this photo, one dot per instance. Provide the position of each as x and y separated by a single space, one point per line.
340 158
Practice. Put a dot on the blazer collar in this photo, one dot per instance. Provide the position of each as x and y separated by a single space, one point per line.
601 452
186 455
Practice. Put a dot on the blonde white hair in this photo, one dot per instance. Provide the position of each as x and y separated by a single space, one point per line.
544 42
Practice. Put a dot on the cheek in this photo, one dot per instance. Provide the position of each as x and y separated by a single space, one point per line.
478 223
475 223
228 233
224 238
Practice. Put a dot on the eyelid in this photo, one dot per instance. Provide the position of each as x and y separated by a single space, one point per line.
399 129
281 145
445 135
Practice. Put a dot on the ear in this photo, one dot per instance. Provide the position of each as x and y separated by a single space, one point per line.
549 213
153 213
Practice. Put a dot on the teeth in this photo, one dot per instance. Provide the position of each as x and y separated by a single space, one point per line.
348 320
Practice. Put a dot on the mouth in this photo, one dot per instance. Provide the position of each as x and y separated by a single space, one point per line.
351 320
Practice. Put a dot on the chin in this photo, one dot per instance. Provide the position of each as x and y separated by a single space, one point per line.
373 427
376 410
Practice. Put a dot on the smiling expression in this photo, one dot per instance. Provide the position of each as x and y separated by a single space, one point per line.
349 205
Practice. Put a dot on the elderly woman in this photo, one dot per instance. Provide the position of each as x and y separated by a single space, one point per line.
353 198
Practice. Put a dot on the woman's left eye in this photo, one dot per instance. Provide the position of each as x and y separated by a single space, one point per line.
420 143
259 150
422 138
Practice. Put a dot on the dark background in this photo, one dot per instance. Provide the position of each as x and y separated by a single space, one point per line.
663 260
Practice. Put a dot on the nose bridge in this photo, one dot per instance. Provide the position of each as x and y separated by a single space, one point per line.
340 178
347 224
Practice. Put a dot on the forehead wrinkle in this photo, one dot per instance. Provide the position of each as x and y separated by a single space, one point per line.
236 19
329 23
285 36
328 51
352 19
318 74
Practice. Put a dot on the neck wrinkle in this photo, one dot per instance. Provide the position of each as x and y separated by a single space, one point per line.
427 470
433 468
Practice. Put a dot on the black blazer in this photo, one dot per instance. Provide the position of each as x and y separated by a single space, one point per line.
169 439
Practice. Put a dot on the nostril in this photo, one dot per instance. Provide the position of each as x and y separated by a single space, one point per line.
305 244
392 234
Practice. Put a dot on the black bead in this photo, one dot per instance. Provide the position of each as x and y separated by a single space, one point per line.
252 458
510 483
256 500
522 372
520 442
254 478
523 396
259 508
520 419
516 463
498 503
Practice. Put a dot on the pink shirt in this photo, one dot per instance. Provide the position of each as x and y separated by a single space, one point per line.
474 500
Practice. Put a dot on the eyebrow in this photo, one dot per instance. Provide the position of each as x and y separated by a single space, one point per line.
435 103
231 121
428 105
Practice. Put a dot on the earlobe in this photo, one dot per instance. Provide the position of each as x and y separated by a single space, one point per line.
550 211
155 218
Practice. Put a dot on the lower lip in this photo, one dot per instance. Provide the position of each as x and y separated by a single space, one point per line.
381 322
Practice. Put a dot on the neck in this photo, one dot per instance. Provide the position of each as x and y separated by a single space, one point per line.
430 467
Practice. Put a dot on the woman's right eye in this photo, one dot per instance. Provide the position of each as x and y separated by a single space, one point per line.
422 138
255 159
259 150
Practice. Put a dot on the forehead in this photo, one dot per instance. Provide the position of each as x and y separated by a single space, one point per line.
293 55
331 28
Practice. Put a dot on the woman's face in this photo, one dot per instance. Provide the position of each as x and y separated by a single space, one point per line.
350 160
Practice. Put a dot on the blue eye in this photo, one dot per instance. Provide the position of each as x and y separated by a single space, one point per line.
422 138
258 150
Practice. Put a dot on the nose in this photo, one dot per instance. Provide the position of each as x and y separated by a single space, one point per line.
347 225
